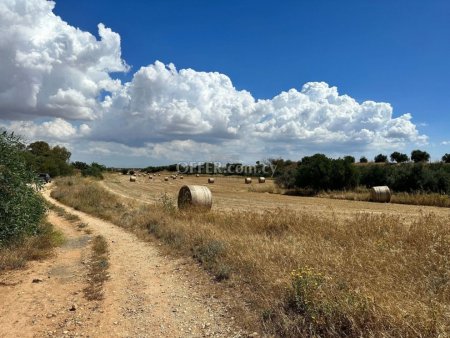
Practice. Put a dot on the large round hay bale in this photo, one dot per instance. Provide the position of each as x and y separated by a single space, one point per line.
380 194
194 196
262 180
197 175
132 178
150 177
210 180
248 180
166 178
181 177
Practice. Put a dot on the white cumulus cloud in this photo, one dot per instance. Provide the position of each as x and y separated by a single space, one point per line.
161 104
49 68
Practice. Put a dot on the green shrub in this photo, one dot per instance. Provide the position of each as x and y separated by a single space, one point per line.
94 170
21 207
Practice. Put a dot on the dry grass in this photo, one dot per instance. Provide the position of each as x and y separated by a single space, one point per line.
363 194
306 275
98 269
265 188
37 247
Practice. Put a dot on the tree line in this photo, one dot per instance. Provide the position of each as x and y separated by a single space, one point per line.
319 172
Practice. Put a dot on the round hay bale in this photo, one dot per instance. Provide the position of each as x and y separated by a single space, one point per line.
181 177
262 180
150 177
154 174
248 180
166 179
194 196
211 180
132 178
380 194
197 175
159 174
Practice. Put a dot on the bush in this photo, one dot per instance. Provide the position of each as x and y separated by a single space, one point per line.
94 170
408 177
21 207
446 158
363 159
80 165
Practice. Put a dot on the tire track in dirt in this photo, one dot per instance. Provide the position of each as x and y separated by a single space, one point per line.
149 295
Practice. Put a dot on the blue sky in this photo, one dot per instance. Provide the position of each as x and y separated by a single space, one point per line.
381 51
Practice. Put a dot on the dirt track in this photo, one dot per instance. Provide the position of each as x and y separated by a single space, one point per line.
147 295
230 193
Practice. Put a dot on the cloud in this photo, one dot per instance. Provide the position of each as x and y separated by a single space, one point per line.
162 104
56 130
445 143
317 117
50 68
56 85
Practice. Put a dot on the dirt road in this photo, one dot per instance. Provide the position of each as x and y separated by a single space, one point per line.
147 294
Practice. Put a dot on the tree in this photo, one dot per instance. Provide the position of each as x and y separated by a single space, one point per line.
43 158
39 148
349 159
363 159
380 158
399 157
420 156
60 153
21 207
319 172
446 158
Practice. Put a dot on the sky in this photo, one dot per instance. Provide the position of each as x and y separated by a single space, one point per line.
155 82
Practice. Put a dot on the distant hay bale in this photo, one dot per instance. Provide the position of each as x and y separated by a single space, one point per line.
210 180
174 177
248 180
262 180
194 196
166 178
380 194
159 174
181 177
197 175
154 174
132 178
150 177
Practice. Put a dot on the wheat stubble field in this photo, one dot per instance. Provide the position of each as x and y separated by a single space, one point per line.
304 266
231 193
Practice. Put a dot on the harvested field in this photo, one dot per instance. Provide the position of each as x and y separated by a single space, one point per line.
231 193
